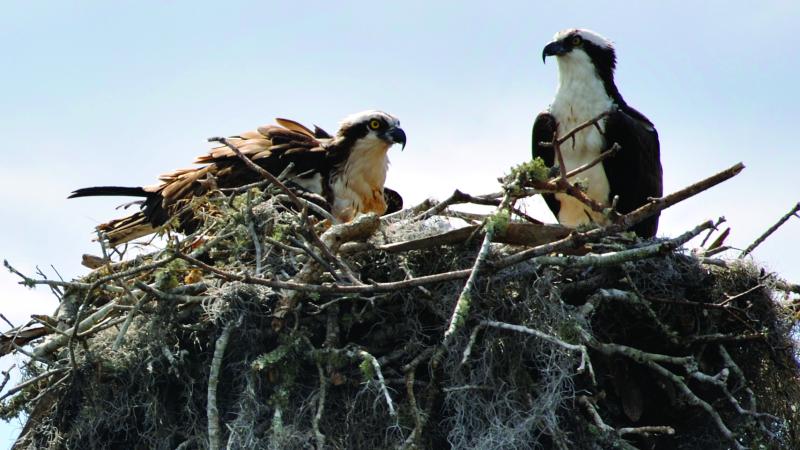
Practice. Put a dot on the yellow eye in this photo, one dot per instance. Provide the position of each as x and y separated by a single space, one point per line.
374 124
576 41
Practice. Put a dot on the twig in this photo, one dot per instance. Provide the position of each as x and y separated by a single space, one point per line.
770 230
128 320
311 206
323 390
654 361
381 382
719 222
33 380
646 431
515 234
6 377
606 154
251 227
586 364
592 410
616 258
214 438
332 328
719 337
461 309
258 169
580 127
29 282
472 338
716 250
456 197
105 324
360 228
733 298
282 246
168 296
419 417
319 259
5 319
422 356
628 220
60 340
638 300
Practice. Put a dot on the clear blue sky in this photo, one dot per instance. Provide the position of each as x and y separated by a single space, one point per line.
119 92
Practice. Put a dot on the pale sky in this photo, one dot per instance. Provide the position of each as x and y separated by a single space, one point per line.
100 93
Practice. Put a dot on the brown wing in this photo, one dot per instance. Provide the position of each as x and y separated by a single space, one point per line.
294 126
394 201
271 147
544 128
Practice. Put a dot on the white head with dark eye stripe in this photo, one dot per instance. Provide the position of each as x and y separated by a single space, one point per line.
372 128
583 54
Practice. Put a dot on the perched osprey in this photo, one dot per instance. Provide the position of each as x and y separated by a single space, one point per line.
586 89
348 170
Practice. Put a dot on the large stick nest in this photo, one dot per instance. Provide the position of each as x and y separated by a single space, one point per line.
639 344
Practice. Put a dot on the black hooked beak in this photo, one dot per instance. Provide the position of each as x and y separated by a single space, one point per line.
398 136
553 49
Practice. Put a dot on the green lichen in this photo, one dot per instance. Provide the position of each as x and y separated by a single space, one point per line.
462 311
269 359
367 369
498 222
280 231
533 170
289 346
570 332
170 276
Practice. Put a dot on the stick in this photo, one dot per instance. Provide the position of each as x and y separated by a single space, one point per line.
628 220
259 170
586 363
251 227
771 230
606 154
323 390
214 442
33 380
128 320
382 383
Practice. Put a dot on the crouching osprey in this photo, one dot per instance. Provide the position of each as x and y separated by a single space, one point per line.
586 89
348 170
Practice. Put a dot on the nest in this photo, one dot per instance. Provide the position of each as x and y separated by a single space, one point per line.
264 330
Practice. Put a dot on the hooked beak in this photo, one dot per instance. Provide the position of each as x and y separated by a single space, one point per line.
553 49
398 136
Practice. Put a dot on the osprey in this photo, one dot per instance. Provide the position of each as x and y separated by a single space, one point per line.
586 89
348 170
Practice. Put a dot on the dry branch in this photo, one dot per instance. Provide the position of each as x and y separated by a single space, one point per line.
770 230
214 432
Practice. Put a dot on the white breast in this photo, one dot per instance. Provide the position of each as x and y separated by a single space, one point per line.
581 96
359 186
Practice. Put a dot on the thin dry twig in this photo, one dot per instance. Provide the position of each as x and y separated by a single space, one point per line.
770 230
323 391
381 381
128 320
214 433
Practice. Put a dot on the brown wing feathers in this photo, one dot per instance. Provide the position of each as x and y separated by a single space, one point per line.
272 147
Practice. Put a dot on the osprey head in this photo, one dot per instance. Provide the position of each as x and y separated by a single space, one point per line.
578 47
372 126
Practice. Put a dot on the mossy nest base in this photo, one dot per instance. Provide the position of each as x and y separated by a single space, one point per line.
369 371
